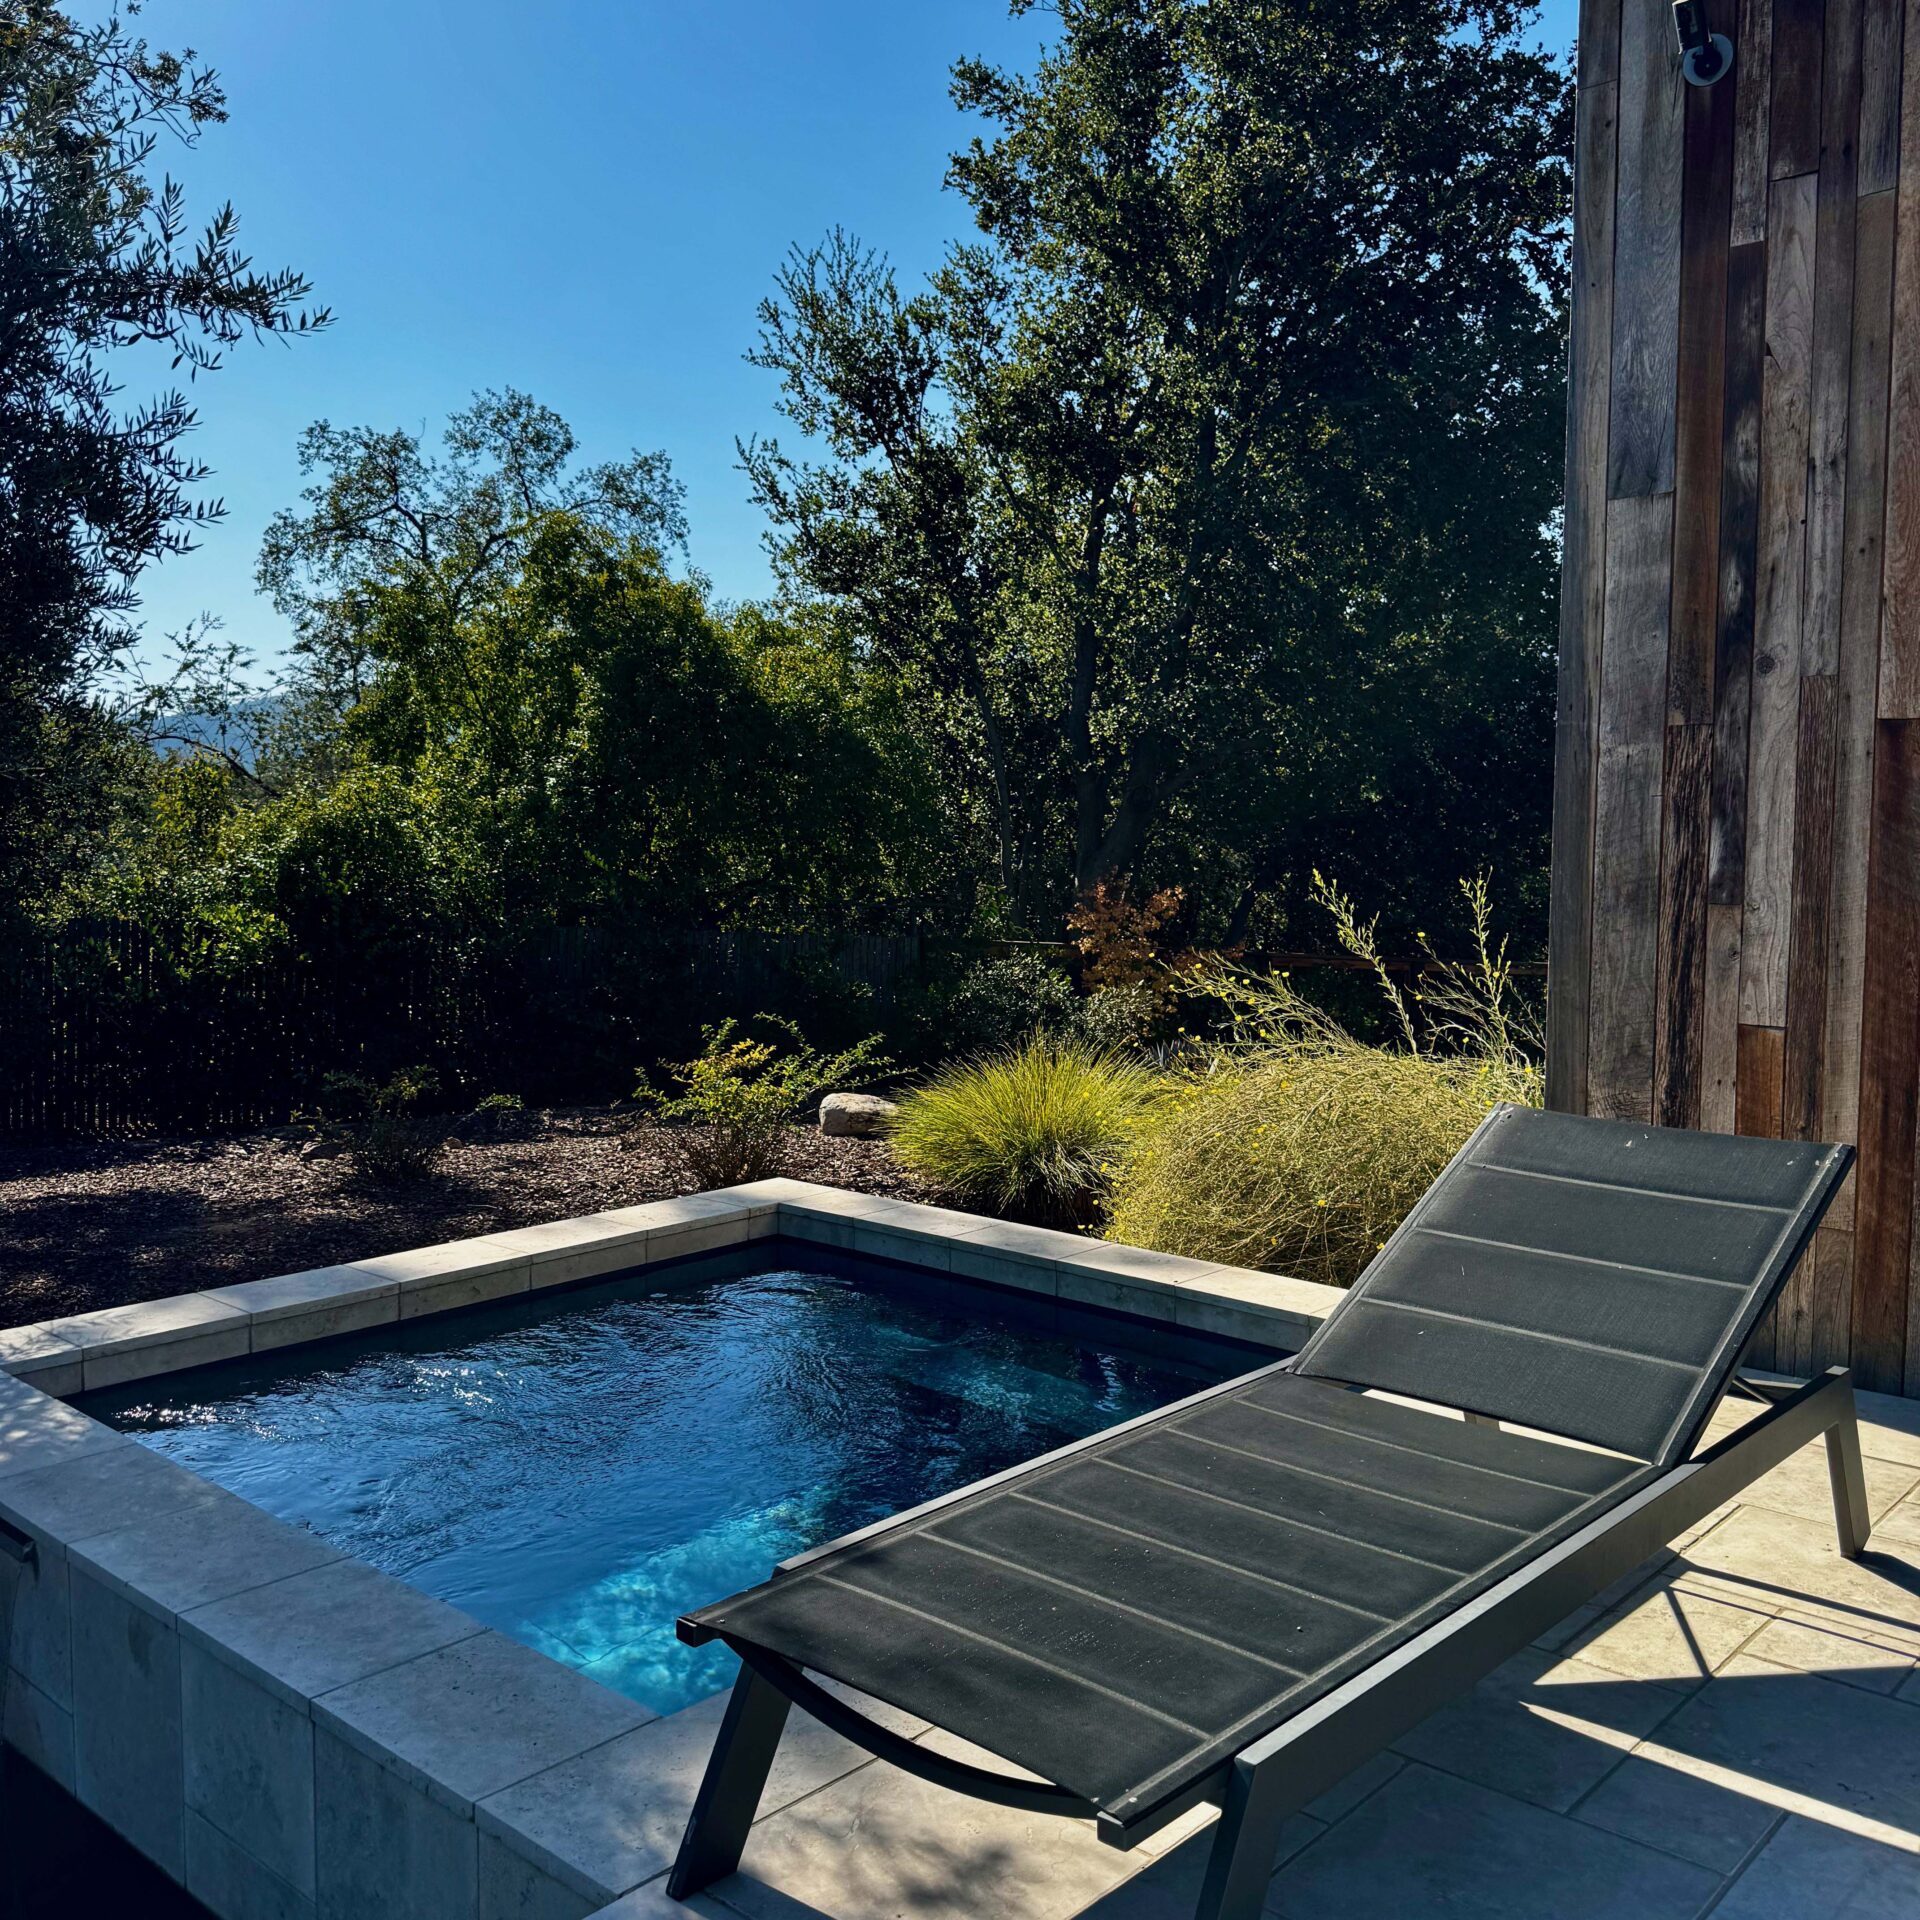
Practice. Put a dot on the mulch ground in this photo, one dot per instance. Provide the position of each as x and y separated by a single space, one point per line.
86 1226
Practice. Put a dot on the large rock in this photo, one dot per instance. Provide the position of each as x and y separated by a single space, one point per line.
862 1115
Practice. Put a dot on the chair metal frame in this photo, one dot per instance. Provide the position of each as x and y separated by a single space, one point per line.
1277 1774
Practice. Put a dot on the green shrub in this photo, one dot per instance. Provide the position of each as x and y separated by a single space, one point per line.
1031 1132
1002 1003
1297 1148
738 1098
389 1141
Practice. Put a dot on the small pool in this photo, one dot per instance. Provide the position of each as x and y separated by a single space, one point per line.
579 1471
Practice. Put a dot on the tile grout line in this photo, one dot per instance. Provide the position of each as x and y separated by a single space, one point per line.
1739 1872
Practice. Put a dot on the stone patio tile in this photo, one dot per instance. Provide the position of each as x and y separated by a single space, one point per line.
1809 1868
227 1878
475 1717
249 1766
449 1295
1667 1634
1836 1651
512 1888
37 1728
1900 1523
563 1251
613 1817
316 1631
1795 1738
1011 1254
1510 1732
428 1266
880 1845
103 1489
1168 1888
1142 1264
385 1850
1889 1426
1800 1485
148 1323
313 1305
1680 1813
126 1721
47 1359
37 1431
204 1551
1268 1309
42 1645
1428 1844
1774 1561
651 1903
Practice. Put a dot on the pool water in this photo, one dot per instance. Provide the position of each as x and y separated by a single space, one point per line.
579 1472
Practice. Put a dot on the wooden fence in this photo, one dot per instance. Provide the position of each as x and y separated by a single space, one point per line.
106 1032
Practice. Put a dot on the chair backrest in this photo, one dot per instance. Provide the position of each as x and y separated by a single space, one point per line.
1589 1278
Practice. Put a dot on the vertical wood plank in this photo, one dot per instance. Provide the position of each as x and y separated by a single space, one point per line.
1834 220
1598 50
1646 293
1627 807
1900 629
1721 1022
1794 138
1878 155
1858 680
1758 1106
1706 207
1890 1063
1815 753
1739 550
1779 603
1827 1328
1679 1034
1753 97
1762 1060
1582 591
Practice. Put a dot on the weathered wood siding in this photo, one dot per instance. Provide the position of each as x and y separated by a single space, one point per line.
1736 868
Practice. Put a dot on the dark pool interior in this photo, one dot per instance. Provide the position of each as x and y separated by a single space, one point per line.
580 1469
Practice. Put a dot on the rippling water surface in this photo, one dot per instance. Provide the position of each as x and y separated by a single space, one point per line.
580 1473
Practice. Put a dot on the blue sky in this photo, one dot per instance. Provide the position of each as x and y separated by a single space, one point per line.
584 199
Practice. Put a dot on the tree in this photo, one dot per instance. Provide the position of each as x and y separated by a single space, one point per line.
583 733
96 260
1241 415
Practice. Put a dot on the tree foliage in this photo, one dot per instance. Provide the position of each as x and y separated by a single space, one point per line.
1205 499
97 260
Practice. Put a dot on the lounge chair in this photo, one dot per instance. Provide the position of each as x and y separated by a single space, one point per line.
1240 1597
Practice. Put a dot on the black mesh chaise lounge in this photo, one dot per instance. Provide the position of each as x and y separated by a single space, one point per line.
1239 1598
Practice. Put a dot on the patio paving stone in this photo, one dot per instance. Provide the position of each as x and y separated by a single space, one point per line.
1680 1813
1797 1734
1665 1633
1809 1868
1510 1732
475 1718
1430 1844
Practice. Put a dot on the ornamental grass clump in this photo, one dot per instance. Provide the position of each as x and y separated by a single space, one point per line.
1296 1148
1032 1132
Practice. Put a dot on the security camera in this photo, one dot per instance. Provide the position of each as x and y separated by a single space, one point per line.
1704 57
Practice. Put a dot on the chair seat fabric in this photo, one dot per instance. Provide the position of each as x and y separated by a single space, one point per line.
1126 1618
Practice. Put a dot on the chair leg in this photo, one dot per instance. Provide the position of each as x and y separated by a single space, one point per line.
1850 1515
1244 1843
730 1792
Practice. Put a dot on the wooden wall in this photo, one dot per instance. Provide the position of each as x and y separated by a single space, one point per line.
1736 866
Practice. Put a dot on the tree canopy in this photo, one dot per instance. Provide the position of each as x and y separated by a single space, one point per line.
1205 500
97 260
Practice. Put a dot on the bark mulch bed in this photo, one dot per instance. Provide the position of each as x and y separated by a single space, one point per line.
86 1226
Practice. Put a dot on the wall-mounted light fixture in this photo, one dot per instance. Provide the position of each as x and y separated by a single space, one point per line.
1704 57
